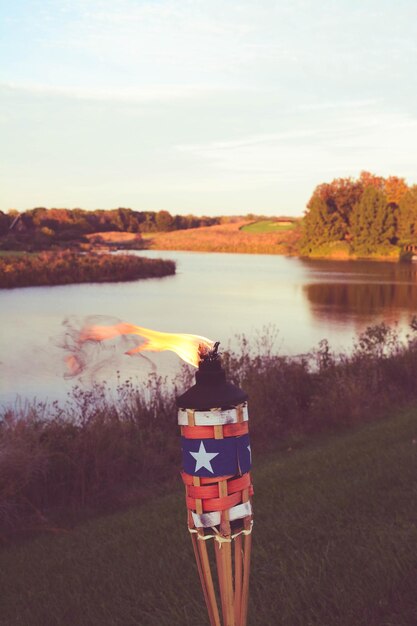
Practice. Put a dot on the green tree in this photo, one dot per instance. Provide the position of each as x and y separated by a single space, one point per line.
329 211
322 224
164 221
341 211
342 195
407 216
372 222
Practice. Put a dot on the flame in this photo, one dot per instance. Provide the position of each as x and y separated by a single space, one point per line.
73 364
188 347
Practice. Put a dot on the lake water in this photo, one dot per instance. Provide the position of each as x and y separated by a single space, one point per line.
215 295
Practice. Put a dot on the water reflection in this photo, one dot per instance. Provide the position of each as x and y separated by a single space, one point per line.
215 295
361 291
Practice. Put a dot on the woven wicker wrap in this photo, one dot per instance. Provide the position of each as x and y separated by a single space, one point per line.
214 502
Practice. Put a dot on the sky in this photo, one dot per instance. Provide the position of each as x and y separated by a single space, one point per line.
210 107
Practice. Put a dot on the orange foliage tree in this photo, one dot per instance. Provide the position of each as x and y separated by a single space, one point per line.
337 211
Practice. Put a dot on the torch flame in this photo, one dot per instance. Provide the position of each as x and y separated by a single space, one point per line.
188 347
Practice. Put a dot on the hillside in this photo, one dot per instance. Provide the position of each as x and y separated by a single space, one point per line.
226 238
333 537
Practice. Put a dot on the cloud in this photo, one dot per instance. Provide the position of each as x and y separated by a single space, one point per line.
380 141
339 104
143 94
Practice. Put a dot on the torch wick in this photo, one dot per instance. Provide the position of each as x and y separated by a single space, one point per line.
209 356
214 352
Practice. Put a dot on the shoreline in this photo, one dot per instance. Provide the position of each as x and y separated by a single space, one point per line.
231 238
287 253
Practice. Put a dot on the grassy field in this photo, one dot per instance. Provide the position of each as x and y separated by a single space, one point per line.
268 226
334 545
226 238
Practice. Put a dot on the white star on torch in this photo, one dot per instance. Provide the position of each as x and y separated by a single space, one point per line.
203 458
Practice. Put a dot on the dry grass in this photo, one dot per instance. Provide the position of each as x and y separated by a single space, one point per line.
226 238
114 237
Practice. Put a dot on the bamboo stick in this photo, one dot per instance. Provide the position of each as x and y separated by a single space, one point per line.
226 589
220 574
190 417
203 563
246 574
238 578
218 431
230 609
198 501
202 578
247 546
208 582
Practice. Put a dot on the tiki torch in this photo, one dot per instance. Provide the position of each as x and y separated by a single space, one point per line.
216 456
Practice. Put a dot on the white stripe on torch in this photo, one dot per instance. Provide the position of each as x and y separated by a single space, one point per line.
213 417
207 520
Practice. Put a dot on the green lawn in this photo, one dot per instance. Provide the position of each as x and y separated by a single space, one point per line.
267 226
334 545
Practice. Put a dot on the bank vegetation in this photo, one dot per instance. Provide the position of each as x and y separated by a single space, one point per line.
104 450
66 267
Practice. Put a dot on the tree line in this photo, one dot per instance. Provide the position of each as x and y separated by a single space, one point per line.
370 214
65 225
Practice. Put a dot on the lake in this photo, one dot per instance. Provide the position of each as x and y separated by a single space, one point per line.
214 295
